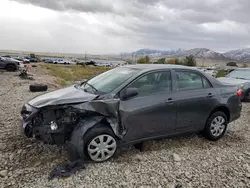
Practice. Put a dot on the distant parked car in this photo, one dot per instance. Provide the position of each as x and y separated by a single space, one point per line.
129 105
34 60
7 56
47 60
241 78
210 71
22 59
10 64
62 61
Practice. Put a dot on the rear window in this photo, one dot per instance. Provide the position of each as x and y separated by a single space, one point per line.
188 80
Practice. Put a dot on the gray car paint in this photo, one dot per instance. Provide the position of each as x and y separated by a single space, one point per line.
151 116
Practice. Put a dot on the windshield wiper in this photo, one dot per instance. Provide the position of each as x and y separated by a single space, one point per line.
94 89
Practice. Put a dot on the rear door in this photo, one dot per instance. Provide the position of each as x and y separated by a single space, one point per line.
195 98
152 112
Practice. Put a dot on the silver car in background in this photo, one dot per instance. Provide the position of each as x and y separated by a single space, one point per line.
241 78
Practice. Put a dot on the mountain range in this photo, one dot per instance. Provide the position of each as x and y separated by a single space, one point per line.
241 55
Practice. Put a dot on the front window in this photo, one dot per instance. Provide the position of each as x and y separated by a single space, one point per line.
153 83
110 80
240 74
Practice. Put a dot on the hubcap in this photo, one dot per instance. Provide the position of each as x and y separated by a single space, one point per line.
217 126
102 148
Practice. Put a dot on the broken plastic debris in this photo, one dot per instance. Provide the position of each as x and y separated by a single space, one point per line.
66 170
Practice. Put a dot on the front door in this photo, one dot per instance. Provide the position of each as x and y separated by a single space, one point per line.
152 112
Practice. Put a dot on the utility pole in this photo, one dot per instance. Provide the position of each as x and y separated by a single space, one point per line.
85 58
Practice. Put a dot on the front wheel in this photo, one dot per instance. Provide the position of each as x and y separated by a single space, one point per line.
98 144
101 147
216 126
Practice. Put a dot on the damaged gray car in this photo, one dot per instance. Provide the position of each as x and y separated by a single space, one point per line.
129 105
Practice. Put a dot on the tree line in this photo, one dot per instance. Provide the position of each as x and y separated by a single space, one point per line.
188 61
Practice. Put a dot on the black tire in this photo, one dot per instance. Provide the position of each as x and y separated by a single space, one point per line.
11 68
208 132
38 87
78 145
247 96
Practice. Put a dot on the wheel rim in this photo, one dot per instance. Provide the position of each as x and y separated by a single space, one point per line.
102 148
217 126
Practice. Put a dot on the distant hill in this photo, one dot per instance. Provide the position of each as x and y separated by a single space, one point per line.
203 53
239 55
151 52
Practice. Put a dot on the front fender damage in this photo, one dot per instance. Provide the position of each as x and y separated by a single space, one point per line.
108 110
103 110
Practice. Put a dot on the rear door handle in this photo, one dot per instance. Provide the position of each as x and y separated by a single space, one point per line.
170 101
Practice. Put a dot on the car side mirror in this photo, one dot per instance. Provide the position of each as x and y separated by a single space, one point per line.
128 93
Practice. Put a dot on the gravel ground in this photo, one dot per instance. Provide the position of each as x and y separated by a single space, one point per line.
188 161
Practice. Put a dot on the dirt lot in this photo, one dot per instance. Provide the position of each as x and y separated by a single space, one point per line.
188 161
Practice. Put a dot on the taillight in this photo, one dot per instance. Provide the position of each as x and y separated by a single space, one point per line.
239 93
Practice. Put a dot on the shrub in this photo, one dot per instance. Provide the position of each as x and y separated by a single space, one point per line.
232 64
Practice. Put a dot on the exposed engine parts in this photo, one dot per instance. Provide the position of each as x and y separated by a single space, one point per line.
53 125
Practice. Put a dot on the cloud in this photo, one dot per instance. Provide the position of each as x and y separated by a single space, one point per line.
114 26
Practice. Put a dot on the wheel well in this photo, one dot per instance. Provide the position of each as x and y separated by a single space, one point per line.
222 109
12 64
105 122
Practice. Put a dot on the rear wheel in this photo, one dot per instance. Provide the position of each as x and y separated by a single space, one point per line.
247 96
216 126
11 68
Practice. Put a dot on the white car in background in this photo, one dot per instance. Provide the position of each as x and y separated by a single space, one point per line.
62 61
209 71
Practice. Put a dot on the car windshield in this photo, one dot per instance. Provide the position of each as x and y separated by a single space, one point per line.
110 80
240 74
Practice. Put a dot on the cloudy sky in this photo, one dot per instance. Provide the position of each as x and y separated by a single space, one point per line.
114 26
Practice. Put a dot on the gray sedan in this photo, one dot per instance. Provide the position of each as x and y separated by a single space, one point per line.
128 105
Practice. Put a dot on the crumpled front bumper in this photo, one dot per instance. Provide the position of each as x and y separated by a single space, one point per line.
27 113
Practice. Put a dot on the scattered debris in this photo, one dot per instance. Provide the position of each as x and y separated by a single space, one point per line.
65 170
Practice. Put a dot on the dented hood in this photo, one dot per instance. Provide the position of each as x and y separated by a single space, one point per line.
62 96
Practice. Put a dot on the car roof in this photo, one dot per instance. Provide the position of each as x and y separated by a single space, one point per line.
158 66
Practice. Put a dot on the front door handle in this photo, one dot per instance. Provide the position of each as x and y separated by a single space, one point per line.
210 95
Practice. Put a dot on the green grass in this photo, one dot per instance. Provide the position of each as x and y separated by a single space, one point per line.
66 74
221 73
